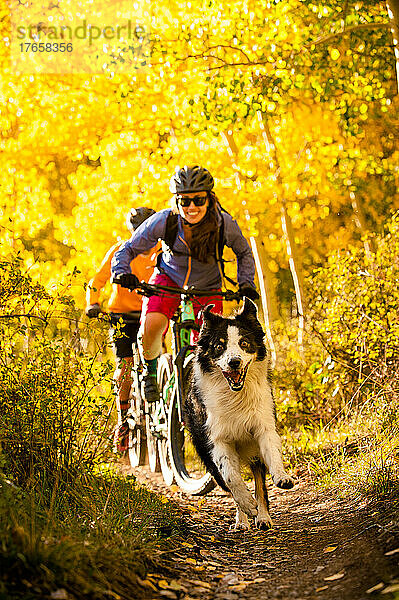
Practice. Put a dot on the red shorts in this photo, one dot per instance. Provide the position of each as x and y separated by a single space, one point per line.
167 304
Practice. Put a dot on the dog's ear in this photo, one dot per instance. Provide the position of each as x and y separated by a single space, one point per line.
210 319
249 310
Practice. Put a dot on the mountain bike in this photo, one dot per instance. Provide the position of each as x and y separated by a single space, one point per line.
168 440
140 447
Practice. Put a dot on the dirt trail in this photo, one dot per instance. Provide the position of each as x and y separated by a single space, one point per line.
316 535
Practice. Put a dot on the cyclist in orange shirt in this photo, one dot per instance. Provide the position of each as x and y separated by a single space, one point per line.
126 306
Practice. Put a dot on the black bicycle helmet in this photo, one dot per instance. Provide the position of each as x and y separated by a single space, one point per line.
191 179
136 216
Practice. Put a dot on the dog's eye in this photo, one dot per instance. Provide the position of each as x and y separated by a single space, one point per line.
244 344
219 347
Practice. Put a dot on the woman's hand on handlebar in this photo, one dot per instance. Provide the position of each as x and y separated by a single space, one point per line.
126 280
246 290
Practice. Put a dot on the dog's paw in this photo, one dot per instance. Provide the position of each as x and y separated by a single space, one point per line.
242 522
285 482
241 526
247 504
264 523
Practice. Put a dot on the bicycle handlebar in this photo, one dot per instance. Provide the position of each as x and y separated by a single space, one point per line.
152 289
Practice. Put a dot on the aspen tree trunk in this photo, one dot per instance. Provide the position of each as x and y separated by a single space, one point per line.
269 279
293 259
233 151
360 221
393 12
265 302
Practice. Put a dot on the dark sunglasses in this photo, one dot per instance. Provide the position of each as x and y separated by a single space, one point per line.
185 201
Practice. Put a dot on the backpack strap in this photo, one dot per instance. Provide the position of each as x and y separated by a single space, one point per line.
171 229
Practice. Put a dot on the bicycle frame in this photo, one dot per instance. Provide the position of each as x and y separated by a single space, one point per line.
182 346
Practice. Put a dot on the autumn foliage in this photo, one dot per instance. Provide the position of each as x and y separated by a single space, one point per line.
292 105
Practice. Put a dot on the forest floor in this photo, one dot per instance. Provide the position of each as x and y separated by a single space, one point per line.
321 546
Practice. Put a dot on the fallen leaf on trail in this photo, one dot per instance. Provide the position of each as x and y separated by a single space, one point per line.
175 585
230 579
193 508
211 568
60 594
375 588
334 577
391 552
146 584
259 580
321 589
239 587
391 588
164 499
330 549
162 583
200 583
212 538
200 568
192 561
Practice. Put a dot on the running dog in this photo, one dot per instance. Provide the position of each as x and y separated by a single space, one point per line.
230 411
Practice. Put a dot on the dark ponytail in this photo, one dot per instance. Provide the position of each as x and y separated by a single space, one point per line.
204 234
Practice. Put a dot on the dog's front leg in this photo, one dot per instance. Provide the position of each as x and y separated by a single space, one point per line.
270 450
226 459
263 520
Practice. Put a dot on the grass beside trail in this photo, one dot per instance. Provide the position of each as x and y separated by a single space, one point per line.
89 538
357 452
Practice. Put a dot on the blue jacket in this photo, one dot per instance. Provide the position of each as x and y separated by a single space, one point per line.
180 266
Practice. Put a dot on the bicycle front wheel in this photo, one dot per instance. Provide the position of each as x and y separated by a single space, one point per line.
190 473
166 390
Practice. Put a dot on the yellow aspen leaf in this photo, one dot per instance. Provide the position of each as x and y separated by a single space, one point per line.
329 549
335 53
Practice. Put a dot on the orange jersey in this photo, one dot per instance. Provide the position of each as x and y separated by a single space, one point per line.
121 300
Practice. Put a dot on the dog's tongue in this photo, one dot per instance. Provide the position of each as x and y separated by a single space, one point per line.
234 375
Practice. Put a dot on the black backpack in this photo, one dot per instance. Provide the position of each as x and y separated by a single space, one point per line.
171 235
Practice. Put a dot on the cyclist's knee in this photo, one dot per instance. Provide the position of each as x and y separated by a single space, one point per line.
154 325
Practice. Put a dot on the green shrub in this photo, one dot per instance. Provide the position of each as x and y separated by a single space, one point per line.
351 350
54 422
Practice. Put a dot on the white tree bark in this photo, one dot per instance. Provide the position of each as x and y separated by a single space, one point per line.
393 12
288 231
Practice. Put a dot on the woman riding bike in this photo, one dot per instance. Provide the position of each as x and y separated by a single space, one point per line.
193 259
124 308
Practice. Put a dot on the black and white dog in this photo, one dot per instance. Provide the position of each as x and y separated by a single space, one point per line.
230 411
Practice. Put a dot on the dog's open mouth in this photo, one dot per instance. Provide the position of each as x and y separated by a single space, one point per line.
236 379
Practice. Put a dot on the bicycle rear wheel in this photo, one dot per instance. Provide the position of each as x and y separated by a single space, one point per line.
151 416
190 473
137 448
